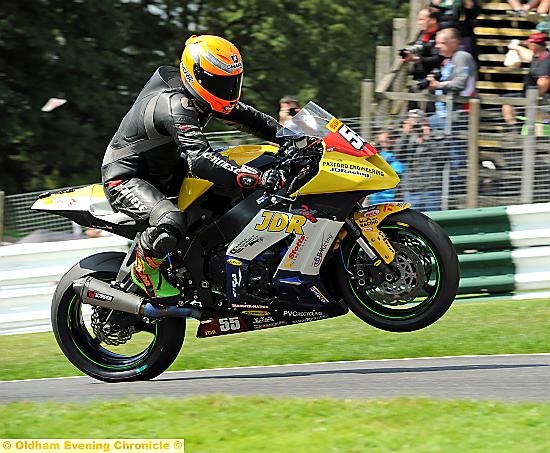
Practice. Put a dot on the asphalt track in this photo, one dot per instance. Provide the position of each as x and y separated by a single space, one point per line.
510 378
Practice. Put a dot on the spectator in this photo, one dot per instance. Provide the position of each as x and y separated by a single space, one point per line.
522 7
458 74
424 160
385 149
462 15
538 75
544 25
289 106
423 53
96 233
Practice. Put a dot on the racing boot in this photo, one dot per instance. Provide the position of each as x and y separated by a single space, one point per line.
146 274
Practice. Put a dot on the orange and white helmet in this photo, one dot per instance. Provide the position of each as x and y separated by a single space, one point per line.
212 71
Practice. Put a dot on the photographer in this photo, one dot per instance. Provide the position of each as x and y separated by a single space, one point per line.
423 53
289 106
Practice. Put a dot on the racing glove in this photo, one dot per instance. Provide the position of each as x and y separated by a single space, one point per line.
250 178
273 180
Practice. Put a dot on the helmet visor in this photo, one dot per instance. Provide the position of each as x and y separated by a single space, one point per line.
227 87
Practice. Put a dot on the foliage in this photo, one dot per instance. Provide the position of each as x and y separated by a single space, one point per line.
99 54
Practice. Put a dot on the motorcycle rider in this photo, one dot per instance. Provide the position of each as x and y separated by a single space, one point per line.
141 162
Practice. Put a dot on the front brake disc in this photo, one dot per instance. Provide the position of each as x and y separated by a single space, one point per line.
410 280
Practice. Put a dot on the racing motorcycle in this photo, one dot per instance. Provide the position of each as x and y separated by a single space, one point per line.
310 251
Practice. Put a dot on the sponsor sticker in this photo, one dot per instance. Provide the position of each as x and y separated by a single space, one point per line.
249 306
269 325
275 222
258 313
301 314
324 245
234 262
334 124
319 294
349 168
367 222
99 296
370 213
263 320
294 252
307 213
245 243
186 73
312 318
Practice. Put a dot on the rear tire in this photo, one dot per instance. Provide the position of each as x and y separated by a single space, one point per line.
427 264
97 359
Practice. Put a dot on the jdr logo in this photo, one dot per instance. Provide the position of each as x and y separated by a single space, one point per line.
276 222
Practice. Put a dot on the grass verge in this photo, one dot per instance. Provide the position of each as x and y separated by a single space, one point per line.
253 424
508 327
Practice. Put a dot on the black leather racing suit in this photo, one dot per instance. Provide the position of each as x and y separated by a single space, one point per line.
158 139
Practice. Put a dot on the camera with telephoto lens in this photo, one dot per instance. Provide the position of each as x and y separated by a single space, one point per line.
292 111
415 49
423 84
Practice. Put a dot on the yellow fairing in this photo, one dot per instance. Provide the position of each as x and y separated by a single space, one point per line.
72 200
193 188
339 172
243 154
369 219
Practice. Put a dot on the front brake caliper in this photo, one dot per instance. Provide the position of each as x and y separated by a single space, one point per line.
369 219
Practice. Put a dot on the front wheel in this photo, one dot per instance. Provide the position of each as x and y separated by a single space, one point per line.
413 291
110 345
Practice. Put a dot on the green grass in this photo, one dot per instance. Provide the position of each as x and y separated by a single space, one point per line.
510 327
260 424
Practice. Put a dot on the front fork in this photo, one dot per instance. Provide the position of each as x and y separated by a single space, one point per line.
356 233
363 227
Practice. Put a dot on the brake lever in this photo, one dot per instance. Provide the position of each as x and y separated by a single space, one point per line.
276 197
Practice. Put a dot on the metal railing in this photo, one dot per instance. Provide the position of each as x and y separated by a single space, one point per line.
475 160
505 163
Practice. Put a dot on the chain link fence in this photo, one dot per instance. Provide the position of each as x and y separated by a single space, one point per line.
430 155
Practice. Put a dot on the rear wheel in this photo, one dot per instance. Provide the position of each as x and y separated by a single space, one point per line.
413 291
109 345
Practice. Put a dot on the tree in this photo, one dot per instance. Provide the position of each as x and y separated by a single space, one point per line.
316 49
98 55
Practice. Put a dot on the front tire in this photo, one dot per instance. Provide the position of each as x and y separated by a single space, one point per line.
150 349
426 275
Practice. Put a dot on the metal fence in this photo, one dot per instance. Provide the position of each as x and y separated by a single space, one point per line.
438 166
